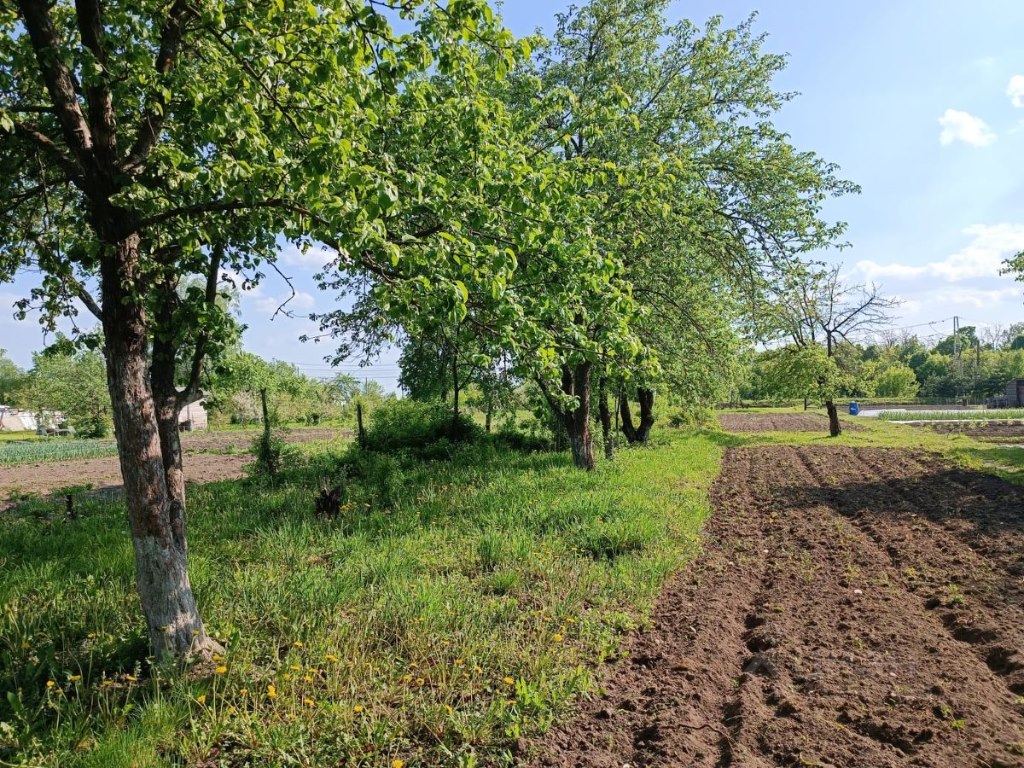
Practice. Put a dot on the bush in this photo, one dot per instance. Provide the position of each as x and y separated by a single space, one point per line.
426 429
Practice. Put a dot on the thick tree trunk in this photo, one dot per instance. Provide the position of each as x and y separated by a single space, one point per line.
834 428
455 395
158 532
628 427
606 418
646 398
576 383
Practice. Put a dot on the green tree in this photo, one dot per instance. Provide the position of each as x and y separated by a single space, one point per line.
12 380
815 308
705 199
74 384
145 142
888 377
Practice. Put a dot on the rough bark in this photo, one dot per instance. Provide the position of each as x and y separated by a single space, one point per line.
834 428
575 420
646 399
606 418
157 526
455 395
576 382
626 415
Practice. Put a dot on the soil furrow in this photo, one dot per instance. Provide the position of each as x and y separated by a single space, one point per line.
805 634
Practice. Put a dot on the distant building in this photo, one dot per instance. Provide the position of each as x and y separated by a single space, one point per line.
1013 397
17 420
193 416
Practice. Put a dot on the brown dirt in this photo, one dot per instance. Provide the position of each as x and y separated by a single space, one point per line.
202 463
777 422
1011 432
853 607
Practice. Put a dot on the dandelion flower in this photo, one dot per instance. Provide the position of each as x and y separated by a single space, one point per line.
201 698
331 658
244 692
74 678
50 683
398 763
221 669
420 681
295 668
297 643
271 692
357 708
509 681
558 637
309 702
25 646
131 678
308 678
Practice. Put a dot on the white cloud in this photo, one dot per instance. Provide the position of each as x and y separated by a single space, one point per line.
981 257
270 304
1015 90
965 127
313 258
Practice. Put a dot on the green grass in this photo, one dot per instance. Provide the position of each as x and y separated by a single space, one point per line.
452 608
1001 414
54 449
19 436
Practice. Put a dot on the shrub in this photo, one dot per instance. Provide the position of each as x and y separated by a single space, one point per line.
409 425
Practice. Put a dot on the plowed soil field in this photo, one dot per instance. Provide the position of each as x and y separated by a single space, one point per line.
1011 432
852 607
202 463
777 422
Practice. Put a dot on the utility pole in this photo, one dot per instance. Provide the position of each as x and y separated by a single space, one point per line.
956 357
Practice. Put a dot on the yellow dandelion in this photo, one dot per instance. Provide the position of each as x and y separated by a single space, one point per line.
510 681
91 635
50 683
74 678
406 678
297 643
221 669
420 681
398 763
357 708
244 692
131 678
295 668
308 678
271 692
331 658
201 698
309 702
459 662
558 637
413 665
25 646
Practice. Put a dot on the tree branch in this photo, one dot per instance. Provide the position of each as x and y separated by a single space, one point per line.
152 122
58 78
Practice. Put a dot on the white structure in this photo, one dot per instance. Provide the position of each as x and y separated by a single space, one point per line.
193 416
17 420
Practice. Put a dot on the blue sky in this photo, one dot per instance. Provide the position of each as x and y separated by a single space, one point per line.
921 102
